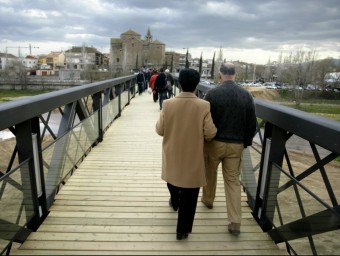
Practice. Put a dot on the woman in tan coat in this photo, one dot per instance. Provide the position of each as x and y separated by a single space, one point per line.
185 123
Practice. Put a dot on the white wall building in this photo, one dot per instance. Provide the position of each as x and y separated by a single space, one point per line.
30 62
6 59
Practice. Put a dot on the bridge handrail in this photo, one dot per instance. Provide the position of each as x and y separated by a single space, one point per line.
261 180
277 125
26 108
320 130
45 158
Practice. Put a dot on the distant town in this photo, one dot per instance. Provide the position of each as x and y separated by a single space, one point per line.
131 52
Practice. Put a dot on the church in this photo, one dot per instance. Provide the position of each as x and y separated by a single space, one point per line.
130 52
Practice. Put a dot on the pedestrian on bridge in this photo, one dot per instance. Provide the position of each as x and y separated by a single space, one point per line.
160 87
152 85
141 81
185 123
170 83
233 113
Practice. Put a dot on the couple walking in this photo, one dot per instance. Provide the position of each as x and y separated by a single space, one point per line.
198 135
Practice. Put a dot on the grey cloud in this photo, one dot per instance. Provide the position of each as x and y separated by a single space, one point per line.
249 24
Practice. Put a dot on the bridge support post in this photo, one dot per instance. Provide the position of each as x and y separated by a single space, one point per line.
266 195
97 106
23 132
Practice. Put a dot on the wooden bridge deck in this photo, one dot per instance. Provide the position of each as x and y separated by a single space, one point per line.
116 203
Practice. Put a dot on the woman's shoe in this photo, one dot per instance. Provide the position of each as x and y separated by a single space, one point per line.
181 236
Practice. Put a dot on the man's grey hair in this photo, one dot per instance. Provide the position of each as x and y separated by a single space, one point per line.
228 69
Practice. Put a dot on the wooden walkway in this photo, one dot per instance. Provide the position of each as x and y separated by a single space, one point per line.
116 203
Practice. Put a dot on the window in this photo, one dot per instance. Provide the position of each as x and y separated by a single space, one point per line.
117 59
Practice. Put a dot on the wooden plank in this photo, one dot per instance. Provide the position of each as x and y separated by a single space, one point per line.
139 215
135 222
222 229
127 252
146 237
207 247
116 203
79 201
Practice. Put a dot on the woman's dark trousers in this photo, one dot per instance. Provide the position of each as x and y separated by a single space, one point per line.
185 200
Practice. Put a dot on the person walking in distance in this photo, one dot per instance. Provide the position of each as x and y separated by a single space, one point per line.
233 113
170 83
152 85
140 81
160 87
185 123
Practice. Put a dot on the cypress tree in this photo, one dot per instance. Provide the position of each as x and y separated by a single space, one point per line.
200 65
187 60
212 72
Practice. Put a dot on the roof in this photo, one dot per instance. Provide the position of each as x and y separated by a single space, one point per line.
157 42
7 55
130 32
54 54
79 49
31 57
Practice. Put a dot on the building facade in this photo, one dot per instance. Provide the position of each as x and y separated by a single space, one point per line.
56 60
30 62
6 59
130 52
82 58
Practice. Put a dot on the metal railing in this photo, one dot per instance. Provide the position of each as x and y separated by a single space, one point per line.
51 134
290 176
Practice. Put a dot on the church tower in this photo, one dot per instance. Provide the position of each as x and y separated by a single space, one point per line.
129 52
148 36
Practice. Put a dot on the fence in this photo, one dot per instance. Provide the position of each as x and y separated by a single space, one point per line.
294 201
53 132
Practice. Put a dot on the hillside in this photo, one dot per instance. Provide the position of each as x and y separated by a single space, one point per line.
263 93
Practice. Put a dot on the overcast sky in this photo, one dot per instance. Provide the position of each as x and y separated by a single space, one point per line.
246 30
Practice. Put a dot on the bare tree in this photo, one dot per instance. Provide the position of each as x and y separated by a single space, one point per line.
297 70
268 72
15 71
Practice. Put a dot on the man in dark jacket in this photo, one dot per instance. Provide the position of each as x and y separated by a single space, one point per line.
140 81
233 113
160 87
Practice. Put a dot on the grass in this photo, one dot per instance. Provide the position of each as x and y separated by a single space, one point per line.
322 103
329 109
8 95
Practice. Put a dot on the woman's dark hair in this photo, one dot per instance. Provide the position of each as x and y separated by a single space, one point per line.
188 79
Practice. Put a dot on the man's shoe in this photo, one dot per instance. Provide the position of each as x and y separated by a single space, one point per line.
181 236
209 206
234 228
